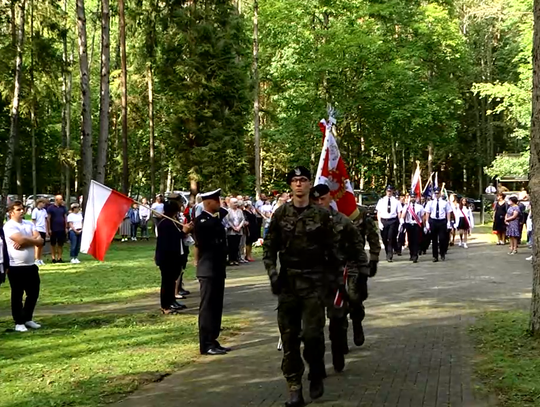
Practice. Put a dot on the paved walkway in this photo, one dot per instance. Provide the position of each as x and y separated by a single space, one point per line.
417 351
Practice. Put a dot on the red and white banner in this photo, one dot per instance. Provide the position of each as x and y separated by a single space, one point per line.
105 210
416 184
332 172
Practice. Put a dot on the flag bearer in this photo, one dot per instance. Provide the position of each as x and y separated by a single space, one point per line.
412 216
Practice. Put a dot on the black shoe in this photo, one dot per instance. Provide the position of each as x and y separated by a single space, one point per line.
338 360
59 261
398 253
218 346
415 259
296 398
214 352
184 292
178 305
316 388
443 258
358 333
435 260
54 261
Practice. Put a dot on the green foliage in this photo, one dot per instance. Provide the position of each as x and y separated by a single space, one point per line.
509 166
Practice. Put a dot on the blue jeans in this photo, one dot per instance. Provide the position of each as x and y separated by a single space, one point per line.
75 240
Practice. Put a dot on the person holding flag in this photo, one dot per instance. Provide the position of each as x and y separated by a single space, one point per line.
411 218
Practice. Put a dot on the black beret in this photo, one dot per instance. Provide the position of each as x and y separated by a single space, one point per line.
319 190
299 171
390 188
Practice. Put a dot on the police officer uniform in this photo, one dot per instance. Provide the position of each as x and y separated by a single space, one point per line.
211 242
437 215
388 209
306 243
412 216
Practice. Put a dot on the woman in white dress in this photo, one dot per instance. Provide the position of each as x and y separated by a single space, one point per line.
464 221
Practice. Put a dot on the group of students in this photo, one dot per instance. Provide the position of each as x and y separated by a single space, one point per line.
434 221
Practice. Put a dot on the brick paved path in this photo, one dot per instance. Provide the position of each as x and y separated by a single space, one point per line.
417 352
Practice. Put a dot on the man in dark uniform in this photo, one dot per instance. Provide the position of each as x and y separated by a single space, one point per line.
437 216
359 268
211 242
388 209
303 235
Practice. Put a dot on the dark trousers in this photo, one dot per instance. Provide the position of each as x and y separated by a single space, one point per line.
169 275
259 229
23 279
212 290
389 236
301 318
233 244
75 244
425 241
414 233
134 227
358 293
144 229
439 236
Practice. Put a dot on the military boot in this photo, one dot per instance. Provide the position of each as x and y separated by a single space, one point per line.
338 360
316 388
358 333
296 398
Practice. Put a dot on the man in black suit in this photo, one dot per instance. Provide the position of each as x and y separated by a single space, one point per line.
211 242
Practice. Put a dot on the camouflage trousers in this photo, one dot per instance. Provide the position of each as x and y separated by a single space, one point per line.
357 290
301 318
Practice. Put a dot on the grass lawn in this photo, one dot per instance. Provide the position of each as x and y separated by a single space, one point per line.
90 360
508 358
128 272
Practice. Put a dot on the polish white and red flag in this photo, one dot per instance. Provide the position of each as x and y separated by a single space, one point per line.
332 172
105 210
416 184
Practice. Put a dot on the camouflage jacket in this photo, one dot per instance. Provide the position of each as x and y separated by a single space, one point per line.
305 241
350 246
367 231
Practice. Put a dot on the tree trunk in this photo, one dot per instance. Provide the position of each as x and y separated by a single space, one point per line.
67 103
104 102
14 129
257 119
394 161
430 158
86 128
534 173
150 81
33 104
125 170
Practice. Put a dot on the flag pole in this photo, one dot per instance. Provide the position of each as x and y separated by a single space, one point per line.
430 180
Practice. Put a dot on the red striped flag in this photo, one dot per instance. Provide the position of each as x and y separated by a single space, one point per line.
105 210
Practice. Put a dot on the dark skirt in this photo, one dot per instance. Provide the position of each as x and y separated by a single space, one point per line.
463 225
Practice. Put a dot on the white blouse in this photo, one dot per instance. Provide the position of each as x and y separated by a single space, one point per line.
459 213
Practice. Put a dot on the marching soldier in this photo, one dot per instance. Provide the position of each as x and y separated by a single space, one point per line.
211 242
352 238
388 209
303 235
411 218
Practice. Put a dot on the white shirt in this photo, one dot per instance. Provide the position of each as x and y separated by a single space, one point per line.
144 212
266 211
158 207
76 219
491 189
418 209
2 256
40 216
458 213
382 208
444 208
24 256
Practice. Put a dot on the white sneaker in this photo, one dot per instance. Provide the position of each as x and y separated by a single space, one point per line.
41 263
32 324
460 244
465 245
77 260
37 263
529 258
135 239
73 261
20 328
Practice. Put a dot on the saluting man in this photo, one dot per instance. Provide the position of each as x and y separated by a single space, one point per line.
412 217
437 217
211 242
388 209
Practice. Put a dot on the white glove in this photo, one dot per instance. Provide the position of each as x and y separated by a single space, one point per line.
449 225
426 230
401 221
381 226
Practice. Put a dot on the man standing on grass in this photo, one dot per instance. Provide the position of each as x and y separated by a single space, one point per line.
21 238
57 227
211 243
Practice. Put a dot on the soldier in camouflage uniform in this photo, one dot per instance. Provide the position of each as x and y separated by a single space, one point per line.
359 268
349 252
303 235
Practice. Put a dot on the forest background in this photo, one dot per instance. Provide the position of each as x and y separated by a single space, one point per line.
155 95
